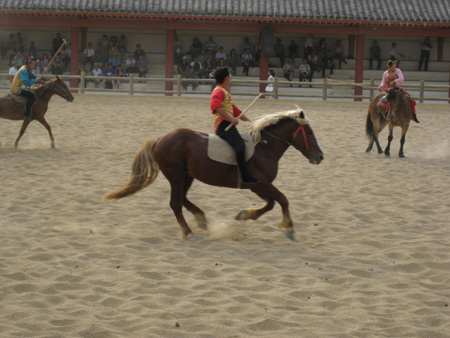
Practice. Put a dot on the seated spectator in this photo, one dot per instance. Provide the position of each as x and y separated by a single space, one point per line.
304 71
119 74
141 64
101 55
9 44
139 52
96 71
327 63
190 75
208 66
65 55
81 69
122 47
19 60
221 55
221 63
114 61
196 48
16 49
338 51
212 76
32 50
279 51
246 60
198 68
45 61
211 46
178 58
89 55
183 68
288 70
12 71
246 45
38 68
109 72
57 42
313 62
375 54
57 66
232 61
293 50
131 65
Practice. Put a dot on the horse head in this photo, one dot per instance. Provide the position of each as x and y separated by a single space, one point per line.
60 89
394 100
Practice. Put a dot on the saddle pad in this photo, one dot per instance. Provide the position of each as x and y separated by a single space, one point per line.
219 150
18 99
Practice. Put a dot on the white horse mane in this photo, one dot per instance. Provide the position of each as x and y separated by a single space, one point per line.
270 119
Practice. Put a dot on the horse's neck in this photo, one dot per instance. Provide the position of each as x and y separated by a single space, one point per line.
279 142
44 94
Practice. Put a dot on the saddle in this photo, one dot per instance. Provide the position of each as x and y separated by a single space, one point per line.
220 151
19 100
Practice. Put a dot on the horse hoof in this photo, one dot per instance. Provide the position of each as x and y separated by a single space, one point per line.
243 215
291 236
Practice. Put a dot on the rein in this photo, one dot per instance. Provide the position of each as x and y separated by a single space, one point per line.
300 128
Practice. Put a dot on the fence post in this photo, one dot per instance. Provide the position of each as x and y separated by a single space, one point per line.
422 83
325 85
131 84
275 88
179 85
83 74
372 84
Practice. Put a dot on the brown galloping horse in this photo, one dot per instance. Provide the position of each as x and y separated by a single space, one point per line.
181 155
9 110
399 115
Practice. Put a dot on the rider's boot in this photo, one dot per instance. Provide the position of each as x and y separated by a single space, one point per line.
414 118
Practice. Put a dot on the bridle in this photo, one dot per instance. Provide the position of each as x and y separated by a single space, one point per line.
300 128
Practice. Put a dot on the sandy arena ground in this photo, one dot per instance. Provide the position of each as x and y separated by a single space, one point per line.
372 258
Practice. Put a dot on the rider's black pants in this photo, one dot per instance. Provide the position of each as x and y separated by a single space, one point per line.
30 100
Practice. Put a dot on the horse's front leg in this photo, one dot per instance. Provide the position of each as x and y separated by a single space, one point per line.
253 213
42 121
376 132
26 122
402 142
176 197
387 151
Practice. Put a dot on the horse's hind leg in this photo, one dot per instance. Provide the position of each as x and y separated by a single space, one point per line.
402 142
196 211
387 151
176 197
25 124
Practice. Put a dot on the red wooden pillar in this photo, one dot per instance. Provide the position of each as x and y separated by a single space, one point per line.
170 39
74 49
263 66
440 48
351 46
359 64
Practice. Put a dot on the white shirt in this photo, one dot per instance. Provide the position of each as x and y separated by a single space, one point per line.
222 55
89 52
12 70
97 72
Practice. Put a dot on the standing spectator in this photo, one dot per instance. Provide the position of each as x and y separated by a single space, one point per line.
327 63
280 53
65 55
221 55
57 42
308 45
196 48
375 54
257 53
39 69
208 66
198 69
113 47
18 48
122 44
246 60
393 52
338 51
271 78
9 44
19 38
212 76
109 72
101 55
12 71
96 71
211 46
246 45
288 70
114 61
19 59
322 51
232 61
131 65
45 61
57 66
177 44
89 55
190 75
105 44
141 64
32 50
183 68
293 50
178 58
119 74
304 71
425 53
139 52
81 69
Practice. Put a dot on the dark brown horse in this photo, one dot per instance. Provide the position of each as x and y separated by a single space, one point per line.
182 157
9 110
399 115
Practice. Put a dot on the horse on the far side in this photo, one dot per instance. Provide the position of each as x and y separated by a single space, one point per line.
399 114
11 109
182 156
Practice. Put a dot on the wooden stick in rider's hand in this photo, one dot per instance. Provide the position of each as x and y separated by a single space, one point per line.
54 56
245 110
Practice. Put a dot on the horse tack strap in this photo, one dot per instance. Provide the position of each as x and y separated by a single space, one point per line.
304 136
